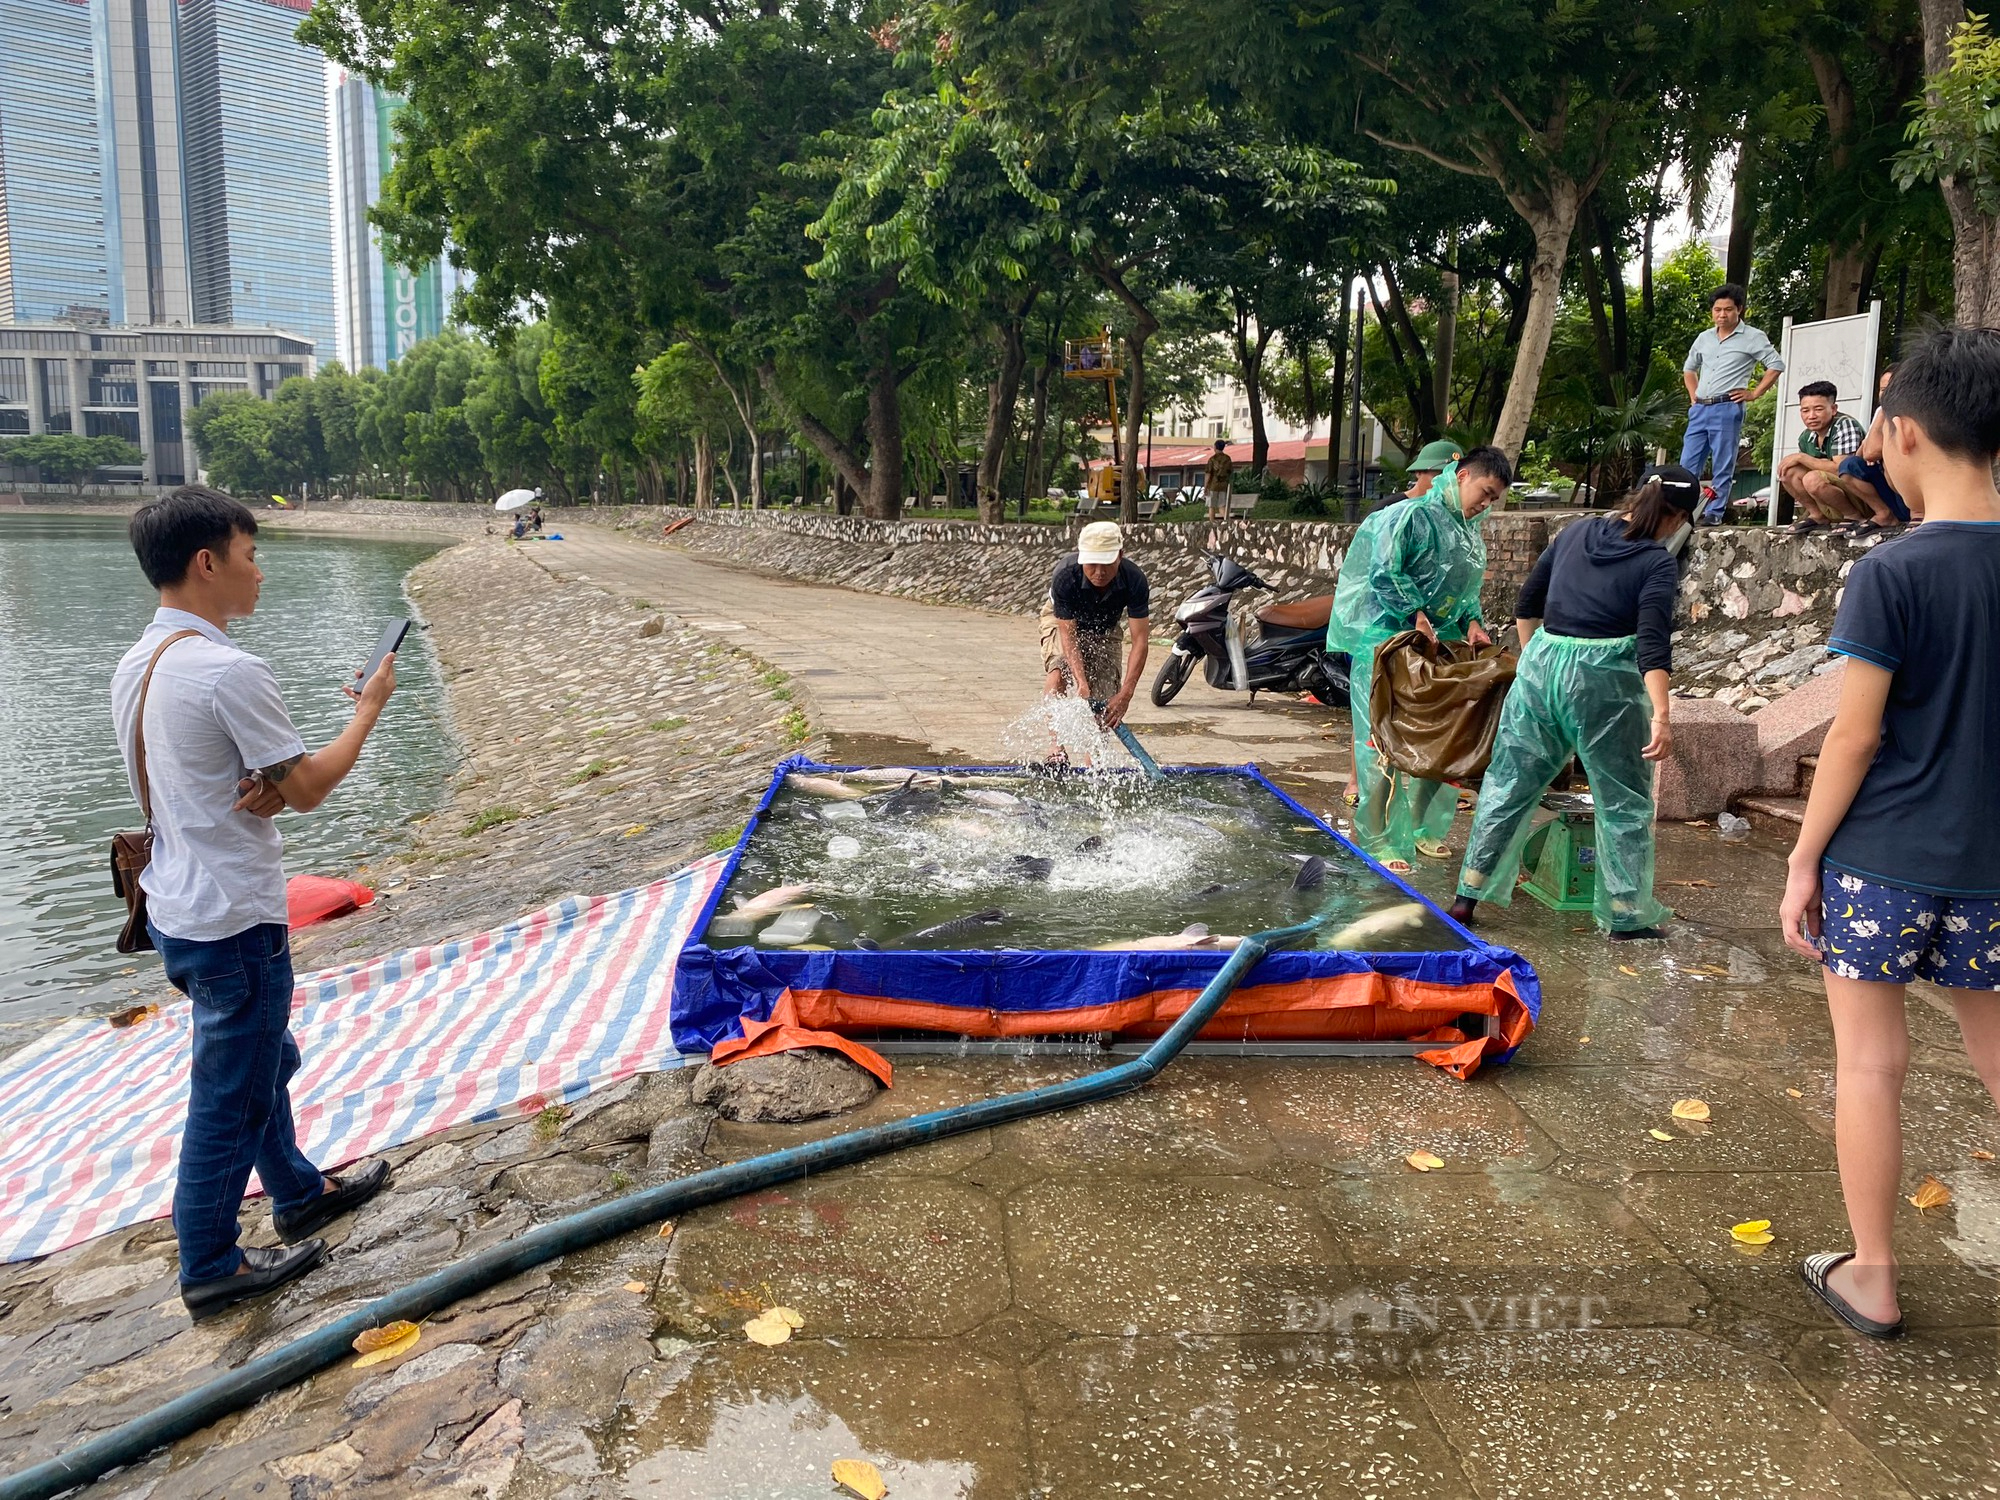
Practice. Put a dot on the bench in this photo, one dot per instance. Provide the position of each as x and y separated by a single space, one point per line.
1242 505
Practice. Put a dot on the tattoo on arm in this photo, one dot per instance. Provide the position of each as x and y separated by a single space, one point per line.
281 770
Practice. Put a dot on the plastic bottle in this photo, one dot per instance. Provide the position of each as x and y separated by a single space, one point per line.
1734 830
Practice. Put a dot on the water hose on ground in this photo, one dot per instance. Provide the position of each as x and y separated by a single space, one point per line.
303 1356
1146 762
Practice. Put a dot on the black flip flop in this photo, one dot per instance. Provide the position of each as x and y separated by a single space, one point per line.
1815 1269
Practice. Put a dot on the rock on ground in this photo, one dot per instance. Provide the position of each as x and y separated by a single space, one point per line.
785 1088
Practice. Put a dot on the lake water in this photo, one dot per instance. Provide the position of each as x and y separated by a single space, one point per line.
72 601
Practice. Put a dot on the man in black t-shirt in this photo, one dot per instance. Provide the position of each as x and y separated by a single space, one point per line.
1090 593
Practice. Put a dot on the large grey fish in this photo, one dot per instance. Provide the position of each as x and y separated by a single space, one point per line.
986 797
1031 866
992 916
1312 874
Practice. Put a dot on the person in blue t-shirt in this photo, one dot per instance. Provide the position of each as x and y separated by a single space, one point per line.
1896 875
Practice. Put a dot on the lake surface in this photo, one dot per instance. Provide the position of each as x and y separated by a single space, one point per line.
72 601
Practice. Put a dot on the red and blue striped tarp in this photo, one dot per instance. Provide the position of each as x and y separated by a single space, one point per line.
542 1010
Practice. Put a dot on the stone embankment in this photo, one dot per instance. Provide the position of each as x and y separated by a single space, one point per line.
1756 605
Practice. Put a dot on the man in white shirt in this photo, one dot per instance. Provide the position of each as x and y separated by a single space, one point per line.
1717 373
221 759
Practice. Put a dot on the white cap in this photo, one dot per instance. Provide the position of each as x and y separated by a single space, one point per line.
1100 542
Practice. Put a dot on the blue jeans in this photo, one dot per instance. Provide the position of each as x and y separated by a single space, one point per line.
1714 433
239 1112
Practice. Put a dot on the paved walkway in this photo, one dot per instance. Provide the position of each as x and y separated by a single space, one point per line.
871 666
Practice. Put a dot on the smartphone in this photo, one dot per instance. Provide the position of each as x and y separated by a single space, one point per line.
392 640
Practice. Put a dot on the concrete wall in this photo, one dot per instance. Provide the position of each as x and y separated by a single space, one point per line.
1756 605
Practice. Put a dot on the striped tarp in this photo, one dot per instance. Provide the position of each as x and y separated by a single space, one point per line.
539 1011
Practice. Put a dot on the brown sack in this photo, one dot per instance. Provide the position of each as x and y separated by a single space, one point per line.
1436 704
132 852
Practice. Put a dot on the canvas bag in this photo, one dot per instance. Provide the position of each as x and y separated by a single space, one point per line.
1435 705
132 852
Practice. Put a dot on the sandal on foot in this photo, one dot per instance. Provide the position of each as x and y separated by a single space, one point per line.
1433 849
1807 528
1815 1269
1399 867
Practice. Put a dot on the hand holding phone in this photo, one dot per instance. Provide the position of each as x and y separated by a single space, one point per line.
387 646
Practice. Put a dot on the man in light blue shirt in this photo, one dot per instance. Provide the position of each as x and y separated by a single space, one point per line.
1717 374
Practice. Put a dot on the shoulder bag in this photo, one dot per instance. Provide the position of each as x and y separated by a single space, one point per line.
132 852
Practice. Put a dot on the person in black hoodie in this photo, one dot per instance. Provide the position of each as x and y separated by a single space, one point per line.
1592 684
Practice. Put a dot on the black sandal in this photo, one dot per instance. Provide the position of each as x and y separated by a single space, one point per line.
1807 527
1815 1269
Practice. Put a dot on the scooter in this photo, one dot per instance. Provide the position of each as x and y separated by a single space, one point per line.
1289 655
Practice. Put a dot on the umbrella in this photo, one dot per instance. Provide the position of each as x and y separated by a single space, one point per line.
515 499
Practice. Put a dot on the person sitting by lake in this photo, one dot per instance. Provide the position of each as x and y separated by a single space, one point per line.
211 756
1811 476
1862 475
1592 685
520 526
1092 591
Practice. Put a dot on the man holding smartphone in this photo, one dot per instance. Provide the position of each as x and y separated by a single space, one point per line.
210 748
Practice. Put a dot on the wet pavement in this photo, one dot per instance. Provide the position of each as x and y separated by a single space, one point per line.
1230 1283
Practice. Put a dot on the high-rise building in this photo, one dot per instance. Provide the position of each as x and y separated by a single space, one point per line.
260 223
53 261
137 76
383 308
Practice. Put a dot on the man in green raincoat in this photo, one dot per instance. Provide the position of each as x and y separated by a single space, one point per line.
1413 566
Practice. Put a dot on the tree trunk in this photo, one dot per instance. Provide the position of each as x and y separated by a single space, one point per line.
882 500
1742 213
1001 396
1975 237
1845 258
1036 480
1600 325
1250 365
704 472
1614 295
1553 222
1343 341
1447 334
1419 383
1135 416
842 458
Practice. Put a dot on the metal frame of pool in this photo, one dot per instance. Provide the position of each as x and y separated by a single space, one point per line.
906 1000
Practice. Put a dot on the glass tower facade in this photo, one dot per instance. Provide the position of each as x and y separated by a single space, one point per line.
254 127
54 261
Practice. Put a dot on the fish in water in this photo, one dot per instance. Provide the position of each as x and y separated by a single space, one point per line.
883 775
792 927
1191 937
1378 924
843 847
1031 866
992 916
1091 845
1312 874
824 786
988 798
775 899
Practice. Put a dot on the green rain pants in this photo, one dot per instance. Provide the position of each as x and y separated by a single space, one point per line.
1585 698
1394 809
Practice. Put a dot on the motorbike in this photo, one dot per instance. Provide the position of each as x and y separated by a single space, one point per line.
1288 656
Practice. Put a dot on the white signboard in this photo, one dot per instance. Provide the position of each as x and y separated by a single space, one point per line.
1842 350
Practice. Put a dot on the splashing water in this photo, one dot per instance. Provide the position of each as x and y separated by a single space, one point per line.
1065 727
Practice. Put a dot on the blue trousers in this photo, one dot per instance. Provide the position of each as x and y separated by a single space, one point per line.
1714 433
239 1109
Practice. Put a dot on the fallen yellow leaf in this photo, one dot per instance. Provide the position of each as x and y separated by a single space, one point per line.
1661 1135
378 1344
1628 969
1582 1041
860 1476
767 1330
635 1286
788 1316
1753 1232
667 1231
635 830
1690 1109
1794 1094
132 1015
1930 1194
1423 1161
1979 1154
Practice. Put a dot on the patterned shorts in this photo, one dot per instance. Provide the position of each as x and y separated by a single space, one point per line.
1886 934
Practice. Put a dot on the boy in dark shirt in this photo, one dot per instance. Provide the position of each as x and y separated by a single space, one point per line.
1896 874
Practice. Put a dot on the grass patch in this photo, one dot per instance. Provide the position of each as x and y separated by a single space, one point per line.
772 677
549 1123
592 771
722 840
599 733
620 1181
782 694
491 817
797 730
662 726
